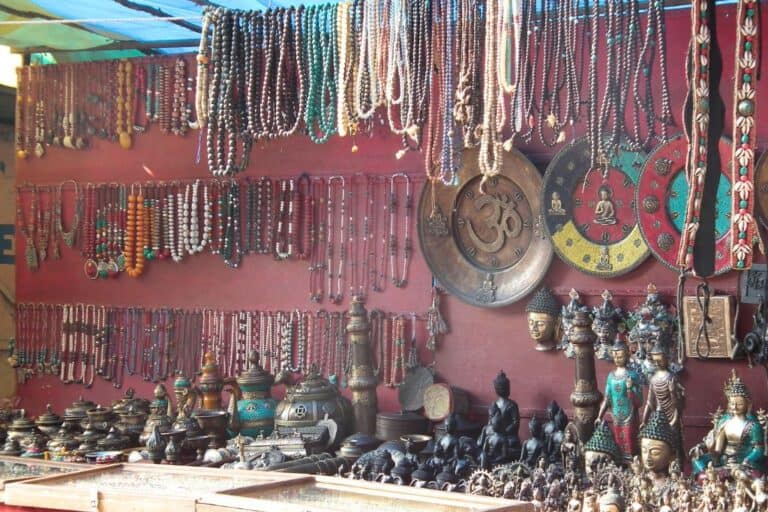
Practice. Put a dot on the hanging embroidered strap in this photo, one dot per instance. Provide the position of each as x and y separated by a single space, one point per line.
744 231
698 132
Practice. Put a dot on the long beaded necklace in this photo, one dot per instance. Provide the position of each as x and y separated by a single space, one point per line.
124 103
43 224
317 266
231 249
332 251
201 89
322 61
744 230
305 219
135 235
490 137
179 108
400 279
284 235
28 227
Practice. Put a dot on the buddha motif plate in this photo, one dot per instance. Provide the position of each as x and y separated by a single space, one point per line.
488 249
661 201
590 215
761 184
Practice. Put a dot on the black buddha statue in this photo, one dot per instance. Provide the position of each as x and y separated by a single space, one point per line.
533 448
556 438
549 426
495 448
510 416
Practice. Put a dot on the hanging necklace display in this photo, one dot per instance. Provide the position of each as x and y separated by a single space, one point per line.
590 217
662 190
43 223
317 265
495 250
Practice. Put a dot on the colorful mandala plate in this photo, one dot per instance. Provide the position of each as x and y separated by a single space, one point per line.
590 215
661 200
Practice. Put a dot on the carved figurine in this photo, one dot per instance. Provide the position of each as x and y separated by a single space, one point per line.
567 314
186 397
605 325
510 416
623 396
658 446
653 324
495 448
665 393
542 319
556 439
600 449
447 448
611 501
549 426
570 450
737 437
605 211
533 448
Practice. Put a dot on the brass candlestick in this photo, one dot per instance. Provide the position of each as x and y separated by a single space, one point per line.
585 397
361 380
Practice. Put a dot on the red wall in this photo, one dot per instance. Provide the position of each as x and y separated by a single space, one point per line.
481 341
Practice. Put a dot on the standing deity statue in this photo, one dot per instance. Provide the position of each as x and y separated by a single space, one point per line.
623 397
666 394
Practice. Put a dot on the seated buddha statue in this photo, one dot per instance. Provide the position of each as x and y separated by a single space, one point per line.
737 436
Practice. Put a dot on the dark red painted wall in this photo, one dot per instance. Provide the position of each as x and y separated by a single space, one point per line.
481 341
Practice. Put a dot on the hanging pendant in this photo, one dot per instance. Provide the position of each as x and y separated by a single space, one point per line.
30 255
67 142
125 140
39 150
91 269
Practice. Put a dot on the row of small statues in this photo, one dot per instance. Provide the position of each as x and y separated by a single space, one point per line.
549 324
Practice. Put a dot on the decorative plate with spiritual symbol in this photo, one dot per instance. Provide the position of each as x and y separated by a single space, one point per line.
487 246
590 215
662 195
761 184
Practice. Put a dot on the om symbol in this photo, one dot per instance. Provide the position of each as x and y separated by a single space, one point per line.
503 219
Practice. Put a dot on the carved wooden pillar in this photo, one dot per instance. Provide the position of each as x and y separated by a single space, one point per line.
585 397
361 379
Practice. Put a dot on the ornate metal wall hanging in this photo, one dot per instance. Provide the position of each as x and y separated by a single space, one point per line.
589 215
488 249
661 202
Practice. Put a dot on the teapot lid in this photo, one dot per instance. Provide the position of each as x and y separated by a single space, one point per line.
48 417
22 422
314 385
255 375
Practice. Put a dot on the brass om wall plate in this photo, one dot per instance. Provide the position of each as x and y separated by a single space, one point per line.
488 249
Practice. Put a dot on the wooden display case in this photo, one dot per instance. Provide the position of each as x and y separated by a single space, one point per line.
330 494
17 469
132 487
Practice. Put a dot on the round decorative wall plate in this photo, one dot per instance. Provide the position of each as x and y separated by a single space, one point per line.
661 201
761 185
590 215
488 249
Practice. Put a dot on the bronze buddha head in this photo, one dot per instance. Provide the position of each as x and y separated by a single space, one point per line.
738 396
543 312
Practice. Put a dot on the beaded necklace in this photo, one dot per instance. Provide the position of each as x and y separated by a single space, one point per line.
305 219
744 230
283 238
400 279
317 266
490 137
331 250
43 224
231 250
179 109
201 90
124 104
135 235
28 227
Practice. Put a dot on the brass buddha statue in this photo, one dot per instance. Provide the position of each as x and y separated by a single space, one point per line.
543 312
665 393
736 438
658 446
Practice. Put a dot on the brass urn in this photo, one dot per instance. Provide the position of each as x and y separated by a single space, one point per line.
310 401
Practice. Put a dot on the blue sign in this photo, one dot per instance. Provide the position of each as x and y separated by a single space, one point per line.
7 232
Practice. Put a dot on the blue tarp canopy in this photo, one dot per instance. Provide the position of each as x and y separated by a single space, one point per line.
104 29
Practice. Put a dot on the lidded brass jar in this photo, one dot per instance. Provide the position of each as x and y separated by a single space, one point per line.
48 422
309 401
